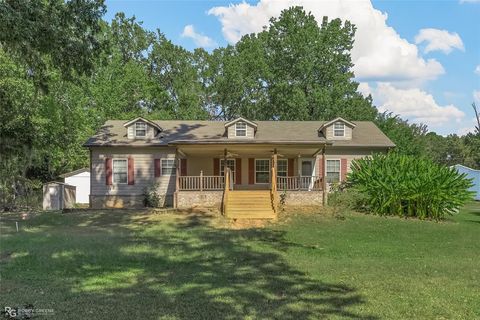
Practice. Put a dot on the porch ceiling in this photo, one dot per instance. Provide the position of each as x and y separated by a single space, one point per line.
250 150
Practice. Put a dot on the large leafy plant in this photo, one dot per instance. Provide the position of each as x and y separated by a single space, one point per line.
408 186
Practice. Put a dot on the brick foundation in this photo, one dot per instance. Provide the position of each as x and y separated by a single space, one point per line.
190 199
302 198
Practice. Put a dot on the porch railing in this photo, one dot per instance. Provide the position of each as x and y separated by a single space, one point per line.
201 183
299 183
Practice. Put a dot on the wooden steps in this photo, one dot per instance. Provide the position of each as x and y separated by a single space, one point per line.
249 204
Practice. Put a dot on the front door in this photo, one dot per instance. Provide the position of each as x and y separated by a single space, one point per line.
307 171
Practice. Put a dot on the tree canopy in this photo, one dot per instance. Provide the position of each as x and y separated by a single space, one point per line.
90 71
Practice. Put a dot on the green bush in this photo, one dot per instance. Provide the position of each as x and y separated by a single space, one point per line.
151 198
344 199
407 186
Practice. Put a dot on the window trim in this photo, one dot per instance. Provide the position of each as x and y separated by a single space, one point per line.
237 129
234 167
135 129
174 167
113 170
286 167
269 173
339 169
343 129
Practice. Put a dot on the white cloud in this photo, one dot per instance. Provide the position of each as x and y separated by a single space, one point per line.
199 39
413 104
379 53
476 96
439 40
469 1
477 69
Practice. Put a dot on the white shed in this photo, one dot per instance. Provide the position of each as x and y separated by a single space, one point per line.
81 179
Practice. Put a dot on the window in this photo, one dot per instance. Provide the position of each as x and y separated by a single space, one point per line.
140 129
282 167
230 164
168 167
333 171
339 129
120 173
240 129
262 171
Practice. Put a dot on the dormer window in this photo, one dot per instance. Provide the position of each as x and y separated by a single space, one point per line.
240 129
339 129
140 129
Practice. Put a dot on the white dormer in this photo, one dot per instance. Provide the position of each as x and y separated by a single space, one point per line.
337 129
240 128
141 128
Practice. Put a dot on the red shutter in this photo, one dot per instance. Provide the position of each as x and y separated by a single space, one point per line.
183 167
251 171
131 171
290 167
343 169
238 171
216 166
158 170
108 171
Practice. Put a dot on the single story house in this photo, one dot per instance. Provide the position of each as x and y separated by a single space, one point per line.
244 167
81 179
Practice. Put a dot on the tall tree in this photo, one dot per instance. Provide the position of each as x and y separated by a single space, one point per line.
477 116
302 71
172 68
62 33
409 138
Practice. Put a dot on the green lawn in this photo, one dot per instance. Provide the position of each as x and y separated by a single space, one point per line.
131 265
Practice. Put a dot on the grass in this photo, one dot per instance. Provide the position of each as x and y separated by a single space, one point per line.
133 265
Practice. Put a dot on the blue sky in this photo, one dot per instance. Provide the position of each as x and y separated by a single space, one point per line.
416 58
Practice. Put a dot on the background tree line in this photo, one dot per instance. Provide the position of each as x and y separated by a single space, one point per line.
64 71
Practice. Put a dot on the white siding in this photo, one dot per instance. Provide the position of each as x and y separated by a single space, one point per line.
82 182
144 169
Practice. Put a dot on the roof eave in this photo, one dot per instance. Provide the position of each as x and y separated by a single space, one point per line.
126 124
326 124
240 119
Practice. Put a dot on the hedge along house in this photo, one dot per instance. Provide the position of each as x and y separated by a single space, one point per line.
240 166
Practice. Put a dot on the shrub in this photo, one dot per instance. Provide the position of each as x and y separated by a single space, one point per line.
151 198
342 199
407 186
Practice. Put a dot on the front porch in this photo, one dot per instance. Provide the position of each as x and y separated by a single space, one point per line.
217 175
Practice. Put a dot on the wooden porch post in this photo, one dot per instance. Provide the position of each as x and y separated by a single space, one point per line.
273 182
324 180
177 179
274 167
201 180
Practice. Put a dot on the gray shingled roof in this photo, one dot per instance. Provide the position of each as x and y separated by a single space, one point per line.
113 133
